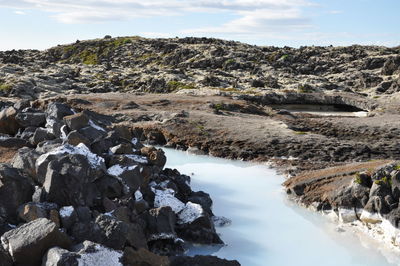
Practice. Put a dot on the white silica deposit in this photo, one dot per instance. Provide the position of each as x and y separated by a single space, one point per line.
94 160
264 227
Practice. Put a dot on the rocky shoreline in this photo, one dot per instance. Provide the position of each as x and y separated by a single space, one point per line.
82 191
206 96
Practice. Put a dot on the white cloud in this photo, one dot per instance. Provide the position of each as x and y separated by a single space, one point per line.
251 17
19 12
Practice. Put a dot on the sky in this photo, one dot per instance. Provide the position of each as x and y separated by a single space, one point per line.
41 24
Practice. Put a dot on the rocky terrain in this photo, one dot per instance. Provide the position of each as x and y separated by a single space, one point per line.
206 96
130 64
83 191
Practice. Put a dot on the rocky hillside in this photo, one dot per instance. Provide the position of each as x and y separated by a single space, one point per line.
132 64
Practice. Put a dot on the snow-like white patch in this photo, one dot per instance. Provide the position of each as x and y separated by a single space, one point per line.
372 218
138 195
101 256
64 132
348 215
92 124
162 236
94 160
66 211
117 170
137 158
190 213
134 141
165 198
12 226
49 124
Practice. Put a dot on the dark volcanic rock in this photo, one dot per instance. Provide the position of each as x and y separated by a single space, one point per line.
76 121
15 190
26 119
29 242
143 257
8 122
201 261
60 257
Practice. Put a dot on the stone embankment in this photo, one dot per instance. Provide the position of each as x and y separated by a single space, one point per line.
80 190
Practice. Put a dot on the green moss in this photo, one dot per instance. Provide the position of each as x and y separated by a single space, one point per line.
89 58
5 87
177 85
357 178
397 167
230 61
385 180
284 57
300 133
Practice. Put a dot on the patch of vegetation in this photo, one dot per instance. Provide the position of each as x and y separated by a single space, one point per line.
384 181
89 58
200 127
177 85
230 61
284 57
300 133
5 87
305 88
357 178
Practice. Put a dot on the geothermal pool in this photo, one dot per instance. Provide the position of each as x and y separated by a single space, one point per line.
267 229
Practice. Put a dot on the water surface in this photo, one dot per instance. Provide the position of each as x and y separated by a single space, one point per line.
267 229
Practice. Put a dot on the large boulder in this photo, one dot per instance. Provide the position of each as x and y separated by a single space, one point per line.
60 257
28 243
161 223
8 122
15 190
76 121
30 119
58 110
25 159
70 181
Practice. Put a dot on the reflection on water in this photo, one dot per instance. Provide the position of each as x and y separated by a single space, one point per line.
267 229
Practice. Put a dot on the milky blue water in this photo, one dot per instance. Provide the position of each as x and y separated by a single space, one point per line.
267 229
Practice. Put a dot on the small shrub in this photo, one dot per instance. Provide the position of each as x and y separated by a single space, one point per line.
177 85
357 178
5 87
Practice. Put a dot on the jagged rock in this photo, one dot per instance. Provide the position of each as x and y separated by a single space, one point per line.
202 198
58 110
94 254
28 243
15 190
41 134
131 176
26 119
70 181
142 256
202 260
201 231
8 122
74 138
76 121
25 159
13 143
156 156
161 223
60 257
31 211
68 217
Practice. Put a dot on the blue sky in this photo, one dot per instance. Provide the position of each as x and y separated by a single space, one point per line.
40 24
